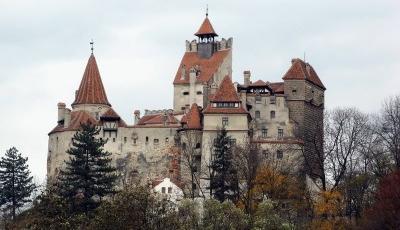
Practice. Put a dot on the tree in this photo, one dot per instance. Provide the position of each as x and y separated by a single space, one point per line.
385 212
388 128
88 175
190 142
224 183
223 216
15 181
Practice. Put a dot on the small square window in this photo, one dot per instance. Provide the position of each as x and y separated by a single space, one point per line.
272 113
163 190
166 140
155 141
225 121
279 154
113 139
264 133
280 133
199 93
125 139
185 93
257 113
169 189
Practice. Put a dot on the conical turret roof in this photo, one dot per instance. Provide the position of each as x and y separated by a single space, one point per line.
91 90
206 29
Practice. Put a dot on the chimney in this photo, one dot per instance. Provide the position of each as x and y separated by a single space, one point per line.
164 118
183 72
246 76
61 112
192 74
137 116
67 118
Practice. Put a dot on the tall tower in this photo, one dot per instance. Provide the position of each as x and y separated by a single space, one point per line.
304 93
205 63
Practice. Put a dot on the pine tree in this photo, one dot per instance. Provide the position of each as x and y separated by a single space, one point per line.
15 181
88 175
224 183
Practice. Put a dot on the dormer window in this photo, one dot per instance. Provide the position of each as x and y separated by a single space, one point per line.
110 126
225 105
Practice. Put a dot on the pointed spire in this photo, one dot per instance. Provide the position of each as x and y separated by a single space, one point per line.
206 29
301 70
91 90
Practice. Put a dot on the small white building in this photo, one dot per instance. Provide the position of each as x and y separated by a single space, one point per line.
169 188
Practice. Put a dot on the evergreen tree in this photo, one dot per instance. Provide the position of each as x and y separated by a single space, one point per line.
88 175
224 182
15 181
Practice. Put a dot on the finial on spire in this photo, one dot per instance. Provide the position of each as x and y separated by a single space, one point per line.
207 11
91 45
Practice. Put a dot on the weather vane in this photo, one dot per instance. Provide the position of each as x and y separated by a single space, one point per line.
207 11
91 45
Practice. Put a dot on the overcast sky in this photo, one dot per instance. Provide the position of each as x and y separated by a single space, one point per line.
44 47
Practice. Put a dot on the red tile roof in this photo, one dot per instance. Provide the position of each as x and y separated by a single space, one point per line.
192 118
207 66
226 92
111 114
303 71
77 118
156 119
91 90
258 83
206 29
277 87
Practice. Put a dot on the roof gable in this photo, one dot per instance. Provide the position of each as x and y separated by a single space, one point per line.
226 92
192 118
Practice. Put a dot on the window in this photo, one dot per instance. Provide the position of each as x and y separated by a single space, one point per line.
184 146
279 154
258 99
183 108
264 133
199 93
257 114
294 91
125 139
185 93
155 141
232 141
163 190
169 189
134 141
280 133
194 186
265 153
113 139
147 140
166 140
272 114
225 121
272 99
226 105
197 145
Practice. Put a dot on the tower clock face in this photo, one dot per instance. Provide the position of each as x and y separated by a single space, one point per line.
110 125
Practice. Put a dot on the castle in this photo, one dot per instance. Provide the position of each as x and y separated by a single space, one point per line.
205 100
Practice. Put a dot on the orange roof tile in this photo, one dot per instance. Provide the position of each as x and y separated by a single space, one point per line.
193 119
302 71
206 29
77 118
207 66
157 119
226 92
277 87
258 83
111 114
91 90
213 110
